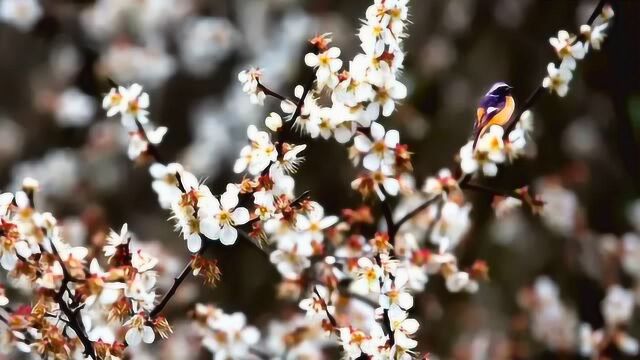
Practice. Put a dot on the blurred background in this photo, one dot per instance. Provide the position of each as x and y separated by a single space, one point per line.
57 56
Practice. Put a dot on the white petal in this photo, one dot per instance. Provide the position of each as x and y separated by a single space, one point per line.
405 300
490 169
392 139
328 222
388 107
228 235
311 60
392 186
8 261
22 200
250 335
210 228
240 216
410 326
377 131
229 199
398 91
148 335
109 296
371 162
362 143
194 243
22 248
133 337
334 52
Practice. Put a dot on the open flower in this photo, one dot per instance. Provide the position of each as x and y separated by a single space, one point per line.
290 263
368 277
394 292
472 161
312 226
133 105
115 240
273 121
165 183
568 49
558 79
380 150
594 35
258 155
374 34
328 63
139 142
231 338
249 80
11 248
138 331
492 144
219 218
403 327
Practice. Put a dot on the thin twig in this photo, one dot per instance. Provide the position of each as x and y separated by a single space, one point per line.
332 320
416 211
270 92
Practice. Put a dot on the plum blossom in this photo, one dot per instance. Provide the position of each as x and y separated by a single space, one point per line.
595 35
133 106
380 150
219 218
138 331
558 79
368 277
568 49
258 155
231 337
165 183
250 79
328 64
388 91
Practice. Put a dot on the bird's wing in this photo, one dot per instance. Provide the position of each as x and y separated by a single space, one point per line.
503 115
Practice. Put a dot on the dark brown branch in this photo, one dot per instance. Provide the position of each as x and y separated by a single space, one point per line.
416 211
177 281
152 149
535 95
531 201
388 217
332 320
270 92
72 317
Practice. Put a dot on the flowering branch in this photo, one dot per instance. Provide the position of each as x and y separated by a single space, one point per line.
535 95
72 316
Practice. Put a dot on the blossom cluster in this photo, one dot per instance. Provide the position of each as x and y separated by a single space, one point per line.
570 48
73 296
354 285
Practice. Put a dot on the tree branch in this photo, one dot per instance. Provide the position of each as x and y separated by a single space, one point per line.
535 95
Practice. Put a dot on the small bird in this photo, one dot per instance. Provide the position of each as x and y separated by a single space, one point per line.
496 108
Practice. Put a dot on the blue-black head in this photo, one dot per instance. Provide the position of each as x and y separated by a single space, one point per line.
500 89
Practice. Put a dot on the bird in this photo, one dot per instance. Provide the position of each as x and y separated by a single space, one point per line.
496 108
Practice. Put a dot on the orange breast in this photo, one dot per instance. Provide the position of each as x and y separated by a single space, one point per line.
503 116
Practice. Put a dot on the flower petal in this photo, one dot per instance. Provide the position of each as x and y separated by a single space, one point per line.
228 235
194 243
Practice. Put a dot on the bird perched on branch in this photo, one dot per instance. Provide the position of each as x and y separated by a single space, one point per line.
496 108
